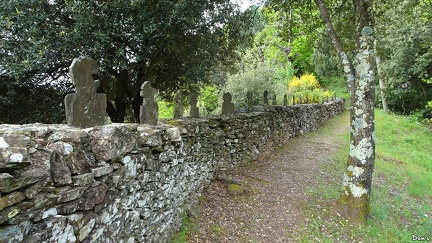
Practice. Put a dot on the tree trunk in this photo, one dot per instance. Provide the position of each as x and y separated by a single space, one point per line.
346 62
357 178
381 82
118 113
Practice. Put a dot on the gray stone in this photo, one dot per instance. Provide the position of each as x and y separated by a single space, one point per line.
11 199
174 134
8 213
11 233
9 183
149 136
69 194
93 196
61 174
102 170
149 110
13 158
107 149
178 108
85 108
274 99
266 97
193 101
285 102
227 105
83 180
249 97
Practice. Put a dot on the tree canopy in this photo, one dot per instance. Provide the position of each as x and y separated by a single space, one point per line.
172 44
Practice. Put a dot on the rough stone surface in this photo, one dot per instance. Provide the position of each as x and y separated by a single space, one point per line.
85 108
249 98
149 110
194 110
135 180
227 105
178 108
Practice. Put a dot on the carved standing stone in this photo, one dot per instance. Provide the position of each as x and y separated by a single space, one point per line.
285 102
274 99
178 109
193 100
149 110
249 97
265 97
227 105
85 108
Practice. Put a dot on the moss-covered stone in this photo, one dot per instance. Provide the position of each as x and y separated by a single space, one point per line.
235 189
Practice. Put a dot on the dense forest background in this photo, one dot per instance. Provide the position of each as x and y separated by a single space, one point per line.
204 45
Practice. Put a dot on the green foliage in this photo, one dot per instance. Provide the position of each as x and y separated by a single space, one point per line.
32 103
339 86
166 110
308 87
405 44
257 81
209 96
254 80
172 44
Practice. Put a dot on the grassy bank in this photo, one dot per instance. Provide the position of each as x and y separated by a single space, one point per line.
401 203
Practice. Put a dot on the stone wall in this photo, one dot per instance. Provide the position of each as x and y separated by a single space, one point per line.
129 182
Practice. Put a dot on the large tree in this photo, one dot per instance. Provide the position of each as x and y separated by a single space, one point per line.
360 74
172 44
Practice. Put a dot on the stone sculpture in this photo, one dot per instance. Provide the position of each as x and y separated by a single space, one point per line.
274 99
249 97
285 102
85 108
193 100
178 109
227 105
149 110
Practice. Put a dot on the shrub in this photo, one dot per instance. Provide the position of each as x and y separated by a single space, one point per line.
308 87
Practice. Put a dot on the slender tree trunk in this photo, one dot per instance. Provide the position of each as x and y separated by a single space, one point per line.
346 62
357 178
381 82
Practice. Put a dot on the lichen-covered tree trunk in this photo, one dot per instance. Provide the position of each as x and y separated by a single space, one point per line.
357 178
381 82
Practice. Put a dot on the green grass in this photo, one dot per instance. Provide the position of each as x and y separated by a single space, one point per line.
337 84
401 203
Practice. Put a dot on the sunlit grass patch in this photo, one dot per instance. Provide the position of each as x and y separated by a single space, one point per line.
401 189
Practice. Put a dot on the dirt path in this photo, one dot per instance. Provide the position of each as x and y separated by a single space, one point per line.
276 191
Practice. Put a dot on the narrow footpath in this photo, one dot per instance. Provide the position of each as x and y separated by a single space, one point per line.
269 206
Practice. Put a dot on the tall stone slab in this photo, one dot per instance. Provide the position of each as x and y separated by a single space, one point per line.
227 105
178 108
266 97
193 101
85 108
249 97
285 102
149 110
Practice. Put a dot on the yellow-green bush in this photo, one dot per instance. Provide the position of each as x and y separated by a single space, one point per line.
308 87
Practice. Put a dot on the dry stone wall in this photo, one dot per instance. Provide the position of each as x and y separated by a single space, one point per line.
129 182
